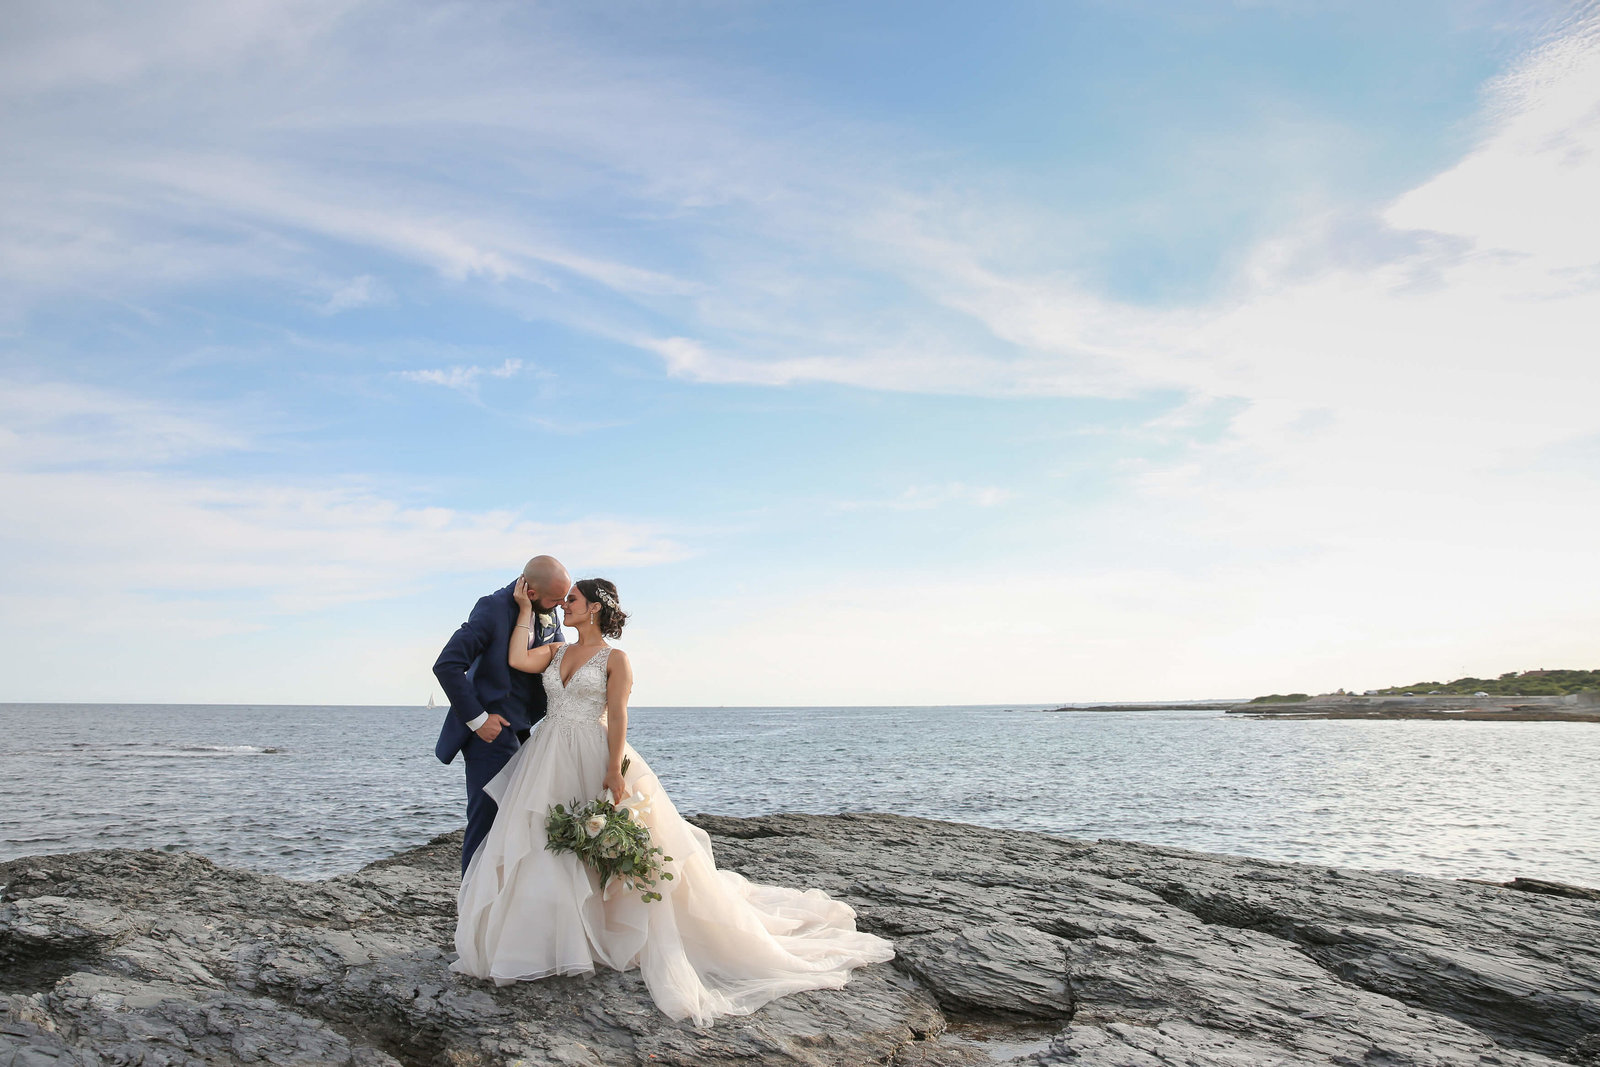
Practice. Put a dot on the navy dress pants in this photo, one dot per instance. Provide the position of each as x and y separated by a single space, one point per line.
484 760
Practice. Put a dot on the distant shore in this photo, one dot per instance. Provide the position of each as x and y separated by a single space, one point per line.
1440 708
1176 705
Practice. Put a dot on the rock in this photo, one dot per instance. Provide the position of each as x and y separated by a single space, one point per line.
1011 946
1554 889
1001 969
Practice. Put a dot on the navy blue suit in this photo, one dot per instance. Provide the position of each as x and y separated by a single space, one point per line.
476 678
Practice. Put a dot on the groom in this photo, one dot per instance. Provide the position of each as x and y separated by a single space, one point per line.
492 706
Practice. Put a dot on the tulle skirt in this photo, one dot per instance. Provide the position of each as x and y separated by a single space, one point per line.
717 944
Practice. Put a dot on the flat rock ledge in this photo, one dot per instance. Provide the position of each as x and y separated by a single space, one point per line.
1012 947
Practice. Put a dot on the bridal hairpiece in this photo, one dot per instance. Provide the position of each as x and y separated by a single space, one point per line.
606 598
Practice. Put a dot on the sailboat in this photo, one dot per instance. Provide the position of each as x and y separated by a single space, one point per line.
431 704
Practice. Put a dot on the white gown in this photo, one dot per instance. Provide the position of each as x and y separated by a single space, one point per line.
718 944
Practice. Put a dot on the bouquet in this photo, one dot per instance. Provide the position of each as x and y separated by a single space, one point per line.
608 835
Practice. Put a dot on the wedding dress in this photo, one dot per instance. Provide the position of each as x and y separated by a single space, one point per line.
717 944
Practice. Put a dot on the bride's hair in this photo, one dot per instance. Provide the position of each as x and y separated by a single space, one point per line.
604 593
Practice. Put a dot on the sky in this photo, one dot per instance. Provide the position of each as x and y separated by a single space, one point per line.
897 353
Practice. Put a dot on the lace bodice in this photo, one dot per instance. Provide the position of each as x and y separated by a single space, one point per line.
583 698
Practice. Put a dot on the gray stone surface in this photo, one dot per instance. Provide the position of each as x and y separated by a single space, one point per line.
1012 947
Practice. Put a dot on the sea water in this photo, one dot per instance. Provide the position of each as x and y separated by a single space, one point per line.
309 792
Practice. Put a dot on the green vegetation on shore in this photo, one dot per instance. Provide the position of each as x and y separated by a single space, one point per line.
1282 698
1510 684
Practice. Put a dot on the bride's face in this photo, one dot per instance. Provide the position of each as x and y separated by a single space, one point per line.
575 608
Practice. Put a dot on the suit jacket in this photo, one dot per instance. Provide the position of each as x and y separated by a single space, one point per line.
473 672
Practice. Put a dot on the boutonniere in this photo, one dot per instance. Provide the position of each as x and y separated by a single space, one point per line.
545 621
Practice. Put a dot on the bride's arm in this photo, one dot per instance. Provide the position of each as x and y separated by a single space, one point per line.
619 685
519 655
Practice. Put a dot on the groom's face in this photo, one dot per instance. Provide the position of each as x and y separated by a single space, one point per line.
544 600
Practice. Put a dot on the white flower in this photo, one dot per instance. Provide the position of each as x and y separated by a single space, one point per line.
594 824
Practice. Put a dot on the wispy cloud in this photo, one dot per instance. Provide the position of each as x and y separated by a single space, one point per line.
92 489
849 265
231 182
49 424
111 534
463 379
361 291
294 548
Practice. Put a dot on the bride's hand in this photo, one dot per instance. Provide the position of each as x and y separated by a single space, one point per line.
619 789
520 593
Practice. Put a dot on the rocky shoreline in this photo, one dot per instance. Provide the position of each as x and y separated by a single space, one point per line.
1012 947
1579 708
1582 708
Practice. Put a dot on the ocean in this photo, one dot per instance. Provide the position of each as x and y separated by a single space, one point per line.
309 792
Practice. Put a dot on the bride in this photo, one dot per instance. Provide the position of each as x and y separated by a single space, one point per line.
716 945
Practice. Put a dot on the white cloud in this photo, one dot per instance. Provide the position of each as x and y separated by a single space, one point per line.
459 245
1528 190
91 490
361 291
188 144
1410 307
464 379
297 547
87 43
202 586
56 425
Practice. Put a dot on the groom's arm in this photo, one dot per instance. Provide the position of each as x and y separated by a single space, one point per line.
463 648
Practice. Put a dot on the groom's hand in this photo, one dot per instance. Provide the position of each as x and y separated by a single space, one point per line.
492 726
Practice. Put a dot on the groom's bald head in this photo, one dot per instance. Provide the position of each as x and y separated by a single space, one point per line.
547 580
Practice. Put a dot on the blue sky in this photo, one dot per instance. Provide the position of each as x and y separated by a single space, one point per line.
925 353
